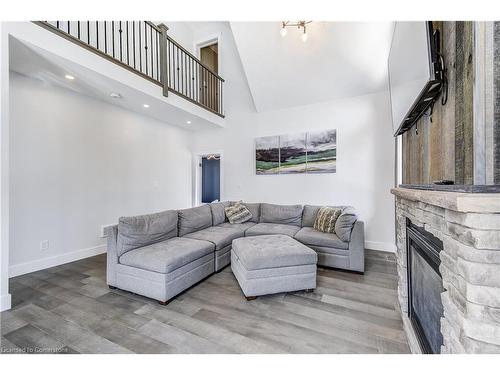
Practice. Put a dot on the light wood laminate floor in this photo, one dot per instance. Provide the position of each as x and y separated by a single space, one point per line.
69 309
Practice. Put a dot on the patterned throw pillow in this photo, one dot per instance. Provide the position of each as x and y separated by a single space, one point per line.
326 218
237 213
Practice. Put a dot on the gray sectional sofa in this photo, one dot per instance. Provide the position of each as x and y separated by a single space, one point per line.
162 254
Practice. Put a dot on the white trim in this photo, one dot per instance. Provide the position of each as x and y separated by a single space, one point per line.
40 264
207 41
197 175
5 302
381 246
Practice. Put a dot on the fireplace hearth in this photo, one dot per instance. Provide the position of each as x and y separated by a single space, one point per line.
425 286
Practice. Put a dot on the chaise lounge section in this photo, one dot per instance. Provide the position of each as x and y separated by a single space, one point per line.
162 254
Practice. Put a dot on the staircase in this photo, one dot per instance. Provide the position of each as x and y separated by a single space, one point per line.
146 49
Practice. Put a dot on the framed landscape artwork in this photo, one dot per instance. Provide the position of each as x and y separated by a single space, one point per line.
293 153
322 152
267 155
313 152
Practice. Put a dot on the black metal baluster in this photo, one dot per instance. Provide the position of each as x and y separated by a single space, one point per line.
113 35
78 29
133 40
105 38
157 54
190 82
128 47
146 48
140 46
121 43
88 32
57 24
177 68
69 28
151 46
97 32
183 72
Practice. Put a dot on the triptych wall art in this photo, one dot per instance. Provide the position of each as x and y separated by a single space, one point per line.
312 152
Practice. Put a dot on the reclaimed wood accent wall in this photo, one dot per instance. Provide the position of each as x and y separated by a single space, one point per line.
440 146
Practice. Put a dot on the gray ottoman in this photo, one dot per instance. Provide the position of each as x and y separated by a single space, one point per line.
272 264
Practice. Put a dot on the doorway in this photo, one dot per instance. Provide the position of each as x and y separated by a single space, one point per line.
210 178
209 57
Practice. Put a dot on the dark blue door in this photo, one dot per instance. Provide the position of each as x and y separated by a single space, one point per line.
210 180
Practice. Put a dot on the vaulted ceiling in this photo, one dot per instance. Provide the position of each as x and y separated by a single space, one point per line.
339 59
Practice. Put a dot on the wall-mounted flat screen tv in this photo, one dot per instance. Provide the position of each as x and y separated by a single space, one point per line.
414 79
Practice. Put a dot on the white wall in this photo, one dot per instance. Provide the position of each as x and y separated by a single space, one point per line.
365 149
77 163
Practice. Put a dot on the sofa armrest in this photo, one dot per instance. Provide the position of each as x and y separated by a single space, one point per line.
112 254
357 247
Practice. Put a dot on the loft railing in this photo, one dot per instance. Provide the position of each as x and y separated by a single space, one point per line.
145 49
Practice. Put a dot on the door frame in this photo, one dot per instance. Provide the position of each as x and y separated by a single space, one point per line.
207 41
197 180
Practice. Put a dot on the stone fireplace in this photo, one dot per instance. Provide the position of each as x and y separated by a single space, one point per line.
467 226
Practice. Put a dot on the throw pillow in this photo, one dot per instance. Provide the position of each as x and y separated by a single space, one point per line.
345 223
237 213
326 218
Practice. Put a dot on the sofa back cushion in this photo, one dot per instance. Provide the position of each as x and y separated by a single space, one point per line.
254 209
310 213
281 214
143 230
345 223
218 214
194 219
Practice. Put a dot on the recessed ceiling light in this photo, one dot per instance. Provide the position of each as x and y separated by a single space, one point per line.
68 76
115 95
188 122
145 105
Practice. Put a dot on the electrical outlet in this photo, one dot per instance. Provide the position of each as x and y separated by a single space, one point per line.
44 245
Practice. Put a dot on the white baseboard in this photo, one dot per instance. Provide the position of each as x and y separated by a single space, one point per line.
40 264
5 302
381 246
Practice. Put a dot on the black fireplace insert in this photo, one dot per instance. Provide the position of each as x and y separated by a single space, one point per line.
425 286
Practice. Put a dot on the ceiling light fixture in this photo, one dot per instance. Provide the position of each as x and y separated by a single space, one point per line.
115 95
188 122
299 25
70 77
145 105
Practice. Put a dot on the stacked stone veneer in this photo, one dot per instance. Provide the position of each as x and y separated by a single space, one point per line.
469 226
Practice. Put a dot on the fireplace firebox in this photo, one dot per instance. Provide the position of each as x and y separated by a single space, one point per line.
425 286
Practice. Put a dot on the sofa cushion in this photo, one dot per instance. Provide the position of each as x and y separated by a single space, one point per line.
138 231
218 214
345 223
237 213
194 219
240 227
271 252
312 237
281 214
254 209
310 212
167 256
219 236
271 228
326 218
